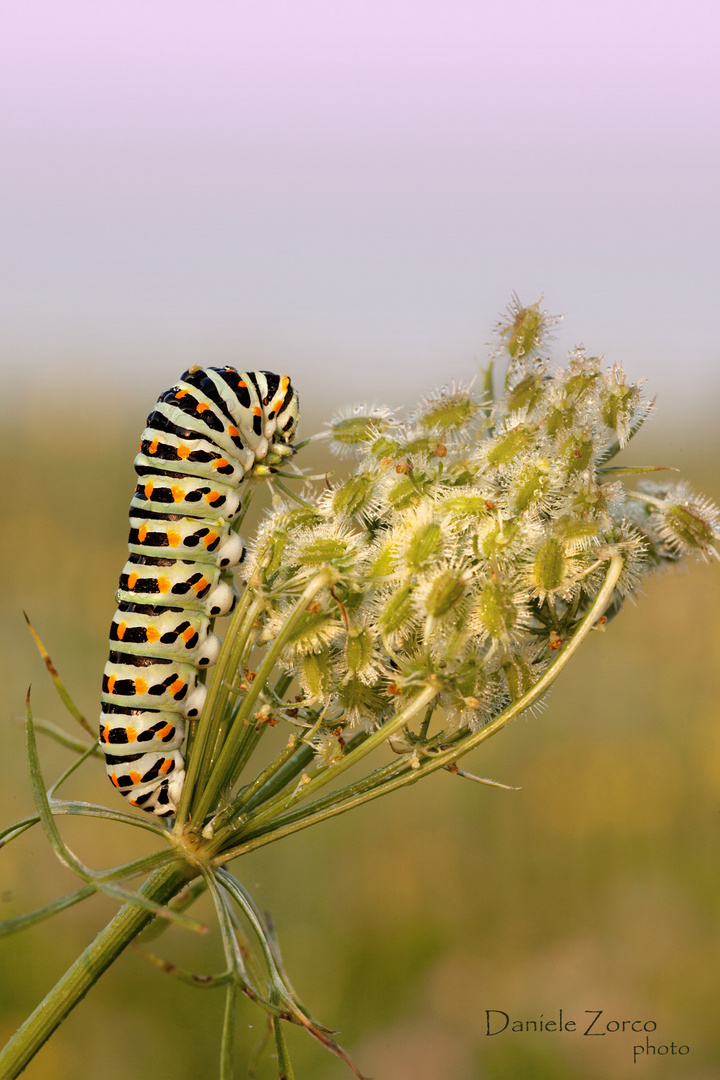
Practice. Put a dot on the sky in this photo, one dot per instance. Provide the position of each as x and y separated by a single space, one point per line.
350 191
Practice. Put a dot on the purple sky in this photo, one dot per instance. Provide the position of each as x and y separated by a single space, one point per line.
351 191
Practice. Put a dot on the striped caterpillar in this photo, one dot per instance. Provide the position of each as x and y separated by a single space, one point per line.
202 439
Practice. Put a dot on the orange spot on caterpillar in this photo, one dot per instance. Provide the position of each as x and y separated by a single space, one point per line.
121 628
131 733
163 584
140 685
152 448
220 463
148 489
104 732
210 538
202 407
212 496
257 411
176 687
181 393
188 635
241 382
111 684
174 538
142 533
135 777
114 779
166 765
163 732
132 580
232 430
200 585
183 452
151 634
178 493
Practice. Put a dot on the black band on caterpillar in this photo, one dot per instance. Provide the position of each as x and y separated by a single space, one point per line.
203 437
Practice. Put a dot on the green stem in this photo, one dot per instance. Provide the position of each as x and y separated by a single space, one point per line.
224 768
282 801
257 837
240 648
378 778
205 733
87 969
331 772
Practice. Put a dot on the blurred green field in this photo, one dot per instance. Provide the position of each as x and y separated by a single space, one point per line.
594 887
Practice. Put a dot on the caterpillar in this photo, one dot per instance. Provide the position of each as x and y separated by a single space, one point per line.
204 436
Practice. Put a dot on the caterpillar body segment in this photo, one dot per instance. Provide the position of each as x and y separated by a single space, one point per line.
173 632
169 582
139 731
194 539
165 494
206 435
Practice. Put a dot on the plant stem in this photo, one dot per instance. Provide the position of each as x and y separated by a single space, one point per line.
265 828
87 969
330 773
223 771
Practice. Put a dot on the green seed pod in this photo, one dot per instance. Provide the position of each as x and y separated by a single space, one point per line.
497 608
354 495
424 546
470 679
524 333
358 429
690 526
323 549
445 593
314 630
383 561
448 412
549 567
576 534
359 649
560 419
385 447
617 407
527 393
316 673
397 612
533 483
518 676
407 491
470 505
421 445
577 385
301 517
577 452
509 446
273 550
362 702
